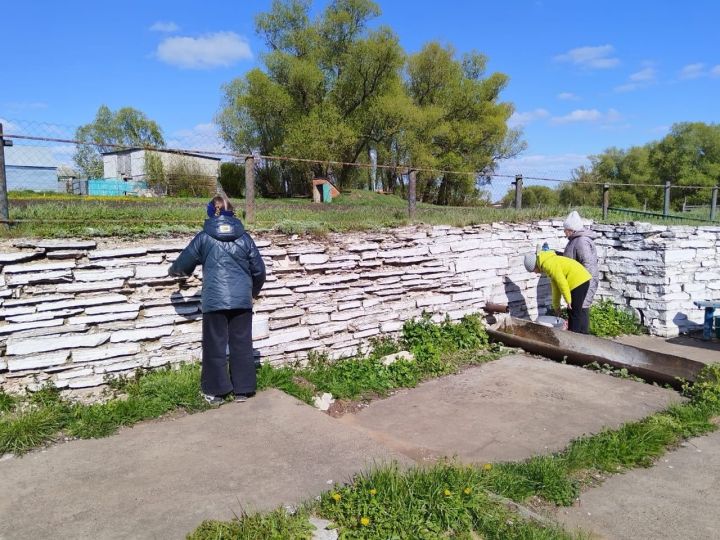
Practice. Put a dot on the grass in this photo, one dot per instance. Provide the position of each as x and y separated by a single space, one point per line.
449 500
60 215
41 417
606 320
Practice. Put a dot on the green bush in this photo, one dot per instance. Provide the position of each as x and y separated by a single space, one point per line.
606 320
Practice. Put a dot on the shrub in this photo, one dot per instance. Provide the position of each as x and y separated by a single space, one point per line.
606 320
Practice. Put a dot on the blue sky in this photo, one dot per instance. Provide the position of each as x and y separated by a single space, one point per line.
583 75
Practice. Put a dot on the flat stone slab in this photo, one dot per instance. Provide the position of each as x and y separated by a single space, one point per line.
162 479
684 346
676 498
510 409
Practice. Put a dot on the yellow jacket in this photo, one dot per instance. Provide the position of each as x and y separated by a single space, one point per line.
565 274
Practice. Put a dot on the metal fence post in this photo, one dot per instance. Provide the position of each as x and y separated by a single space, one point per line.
412 194
4 208
518 183
606 200
666 200
249 189
713 203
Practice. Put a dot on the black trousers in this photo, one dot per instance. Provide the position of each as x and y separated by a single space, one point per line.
231 327
579 320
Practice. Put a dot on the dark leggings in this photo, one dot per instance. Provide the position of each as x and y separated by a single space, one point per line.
231 327
579 320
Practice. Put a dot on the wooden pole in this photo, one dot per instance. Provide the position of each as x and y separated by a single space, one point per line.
4 208
412 195
518 191
249 189
606 201
713 203
666 200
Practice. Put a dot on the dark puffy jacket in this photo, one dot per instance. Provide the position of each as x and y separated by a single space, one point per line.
233 270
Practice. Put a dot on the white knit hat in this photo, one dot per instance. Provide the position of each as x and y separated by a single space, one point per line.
530 262
574 222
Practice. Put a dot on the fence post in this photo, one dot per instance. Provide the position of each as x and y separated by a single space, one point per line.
518 183
713 203
249 189
606 200
4 209
412 195
666 200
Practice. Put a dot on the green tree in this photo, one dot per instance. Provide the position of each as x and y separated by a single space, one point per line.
532 197
332 89
688 156
126 127
232 179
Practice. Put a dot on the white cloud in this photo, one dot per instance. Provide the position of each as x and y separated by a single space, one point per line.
167 27
220 49
567 96
692 71
523 118
588 115
715 72
647 74
590 57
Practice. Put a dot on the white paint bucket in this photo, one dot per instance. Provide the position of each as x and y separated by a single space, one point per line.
551 321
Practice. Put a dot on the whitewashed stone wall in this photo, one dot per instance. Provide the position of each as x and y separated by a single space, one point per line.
77 312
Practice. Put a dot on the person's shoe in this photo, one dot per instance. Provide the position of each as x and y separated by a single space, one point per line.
241 398
214 401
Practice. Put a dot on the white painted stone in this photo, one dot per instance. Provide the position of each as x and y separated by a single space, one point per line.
141 334
314 258
86 382
151 271
392 358
90 286
39 267
302 345
105 352
18 327
175 309
283 291
317 318
347 315
83 301
43 316
287 313
16 280
433 300
277 338
480 263
16 257
112 308
20 346
323 401
115 253
95 319
35 361
341 278
260 328
363 246
102 275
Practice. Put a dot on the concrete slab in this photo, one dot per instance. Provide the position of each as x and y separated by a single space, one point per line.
510 409
677 498
161 479
684 346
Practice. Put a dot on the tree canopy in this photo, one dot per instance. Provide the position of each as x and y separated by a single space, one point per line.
332 88
687 156
125 127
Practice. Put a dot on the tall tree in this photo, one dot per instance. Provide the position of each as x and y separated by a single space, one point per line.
126 127
332 89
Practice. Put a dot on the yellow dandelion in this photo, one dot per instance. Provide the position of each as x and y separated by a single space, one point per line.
373 492
364 521
467 491
336 496
447 492
487 467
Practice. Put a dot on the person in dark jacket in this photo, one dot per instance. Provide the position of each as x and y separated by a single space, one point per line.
233 275
581 247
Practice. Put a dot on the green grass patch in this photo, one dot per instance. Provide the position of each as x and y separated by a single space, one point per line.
37 419
275 525
607 320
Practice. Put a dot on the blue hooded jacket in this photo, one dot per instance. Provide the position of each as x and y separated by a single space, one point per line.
233 270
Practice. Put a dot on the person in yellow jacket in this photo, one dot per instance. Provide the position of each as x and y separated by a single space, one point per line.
570 280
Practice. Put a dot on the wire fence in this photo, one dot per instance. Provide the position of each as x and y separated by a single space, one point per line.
49 159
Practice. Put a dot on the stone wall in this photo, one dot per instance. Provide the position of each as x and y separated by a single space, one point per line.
77 312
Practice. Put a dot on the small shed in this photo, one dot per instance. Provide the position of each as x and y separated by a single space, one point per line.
324 190
30 168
